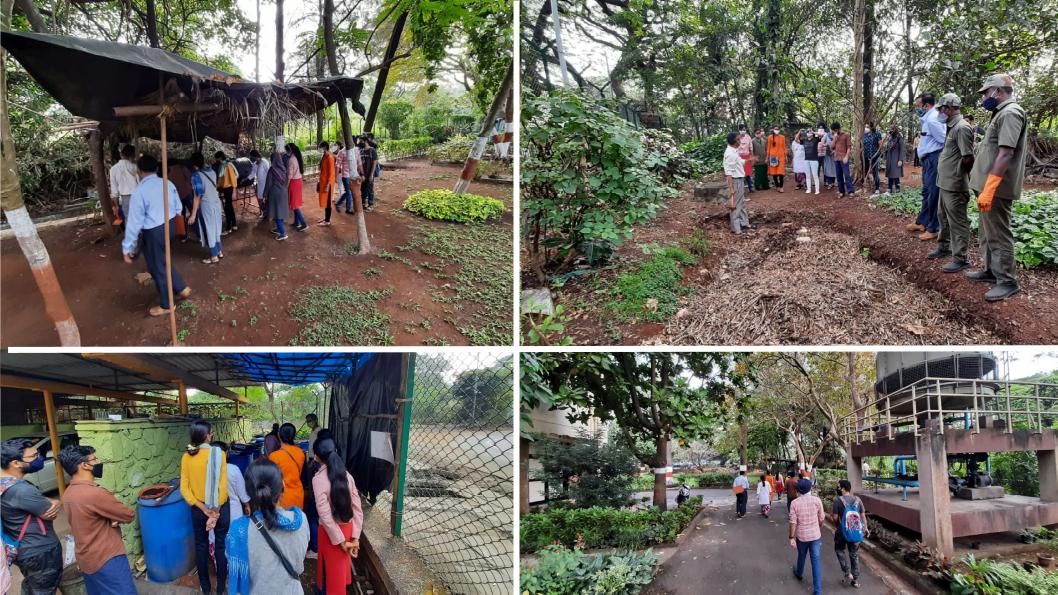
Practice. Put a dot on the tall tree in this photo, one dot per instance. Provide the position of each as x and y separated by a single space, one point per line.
279 40
383 71
152 25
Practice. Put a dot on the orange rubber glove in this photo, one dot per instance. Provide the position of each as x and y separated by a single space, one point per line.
984 200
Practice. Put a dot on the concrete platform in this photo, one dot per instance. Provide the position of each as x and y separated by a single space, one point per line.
962 442
968 517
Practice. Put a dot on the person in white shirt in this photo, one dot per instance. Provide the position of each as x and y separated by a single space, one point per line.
259 173
741 488
764 496
734 168
313 423
123 180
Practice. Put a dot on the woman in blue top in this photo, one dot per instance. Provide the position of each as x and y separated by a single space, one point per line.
206 209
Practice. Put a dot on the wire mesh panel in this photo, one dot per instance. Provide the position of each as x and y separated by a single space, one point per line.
459 493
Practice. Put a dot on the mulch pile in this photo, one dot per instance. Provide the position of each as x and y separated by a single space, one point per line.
781 287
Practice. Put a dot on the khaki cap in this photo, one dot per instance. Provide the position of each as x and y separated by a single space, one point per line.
996 80
949 100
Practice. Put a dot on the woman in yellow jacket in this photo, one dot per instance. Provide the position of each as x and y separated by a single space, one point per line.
204 485
326 183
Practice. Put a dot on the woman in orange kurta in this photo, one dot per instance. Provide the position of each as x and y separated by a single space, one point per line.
291 461
777 158
326 183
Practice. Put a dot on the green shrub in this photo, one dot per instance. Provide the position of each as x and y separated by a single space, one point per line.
1017 472
653 290
697 244
562 571
989 577
454 149
706 156
449 206
597 473
605 527
394 149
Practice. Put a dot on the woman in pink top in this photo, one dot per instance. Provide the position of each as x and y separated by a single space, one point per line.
341 518
295 166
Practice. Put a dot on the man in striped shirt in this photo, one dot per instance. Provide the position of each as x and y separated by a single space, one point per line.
806 516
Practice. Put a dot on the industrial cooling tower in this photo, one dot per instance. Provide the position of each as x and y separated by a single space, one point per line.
898 371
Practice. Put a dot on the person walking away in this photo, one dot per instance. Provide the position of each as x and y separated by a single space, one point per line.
872 146
266 549
146 215
206 209
277 196
291 461
95 515
227 181
850 519
734 168
180 176
760 160
777 158
764 496
997 177
204 485
806 516
26 516
771 482
931 141
810 143
296 184
780 486
799 167
842 149
741 489
791 491
271 440
953 182
325 185
238 499
341 519
356 177
894 159
260 176
341 160
123 180
826 153
745 151
369 156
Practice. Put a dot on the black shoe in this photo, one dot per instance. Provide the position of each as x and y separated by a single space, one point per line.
855 584
938 253
797 576
349 212
984 276
1001 291
955 266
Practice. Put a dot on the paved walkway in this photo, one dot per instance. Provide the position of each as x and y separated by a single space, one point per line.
753 555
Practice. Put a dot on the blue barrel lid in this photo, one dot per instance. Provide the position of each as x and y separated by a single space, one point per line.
171 498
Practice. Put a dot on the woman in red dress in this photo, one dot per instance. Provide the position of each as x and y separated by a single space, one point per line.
295 167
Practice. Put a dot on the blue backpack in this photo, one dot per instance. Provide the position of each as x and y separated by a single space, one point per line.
853 525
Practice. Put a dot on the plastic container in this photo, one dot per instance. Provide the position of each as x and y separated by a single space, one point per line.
304 444
241 460
168 540
72 581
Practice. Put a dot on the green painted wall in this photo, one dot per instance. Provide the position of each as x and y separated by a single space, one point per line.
8 432
141 452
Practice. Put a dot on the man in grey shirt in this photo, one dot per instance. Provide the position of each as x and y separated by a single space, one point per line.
26 512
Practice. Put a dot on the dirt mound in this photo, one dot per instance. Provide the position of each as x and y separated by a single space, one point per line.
813 287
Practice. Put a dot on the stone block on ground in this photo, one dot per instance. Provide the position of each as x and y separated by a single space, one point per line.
537 301
711 191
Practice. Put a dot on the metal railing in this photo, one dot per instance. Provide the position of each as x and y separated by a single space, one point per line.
978 399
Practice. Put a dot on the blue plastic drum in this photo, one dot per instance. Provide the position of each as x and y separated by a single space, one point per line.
168 541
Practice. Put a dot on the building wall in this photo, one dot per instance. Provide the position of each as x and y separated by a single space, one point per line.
137 453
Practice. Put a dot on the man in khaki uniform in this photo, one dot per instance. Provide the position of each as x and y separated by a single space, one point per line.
953 169
997 177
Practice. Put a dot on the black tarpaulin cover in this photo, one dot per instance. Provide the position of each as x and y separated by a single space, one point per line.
356 401
91 77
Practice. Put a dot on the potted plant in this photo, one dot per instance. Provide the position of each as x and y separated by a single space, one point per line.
1046 557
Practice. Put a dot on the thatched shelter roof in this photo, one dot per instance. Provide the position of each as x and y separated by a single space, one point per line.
91 78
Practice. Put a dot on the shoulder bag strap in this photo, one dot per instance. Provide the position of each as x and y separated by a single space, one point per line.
300 467
275 549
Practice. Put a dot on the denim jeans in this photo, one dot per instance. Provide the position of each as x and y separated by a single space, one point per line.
840 548
845 185
929 216
805 548
281 228
113 578
215 249
740 503
347 195
894 184
299 219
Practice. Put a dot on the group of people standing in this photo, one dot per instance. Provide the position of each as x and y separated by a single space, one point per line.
261 524
806 514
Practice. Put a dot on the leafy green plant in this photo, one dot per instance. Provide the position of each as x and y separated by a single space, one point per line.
989 577
395 149
562 571
591 471
653 290
338 315
549 329
706 156
456 148
697 244
449 206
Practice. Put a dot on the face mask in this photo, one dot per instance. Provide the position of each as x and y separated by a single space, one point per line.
866 130
36 465
920 111
990 103
97 470
942 117
774 131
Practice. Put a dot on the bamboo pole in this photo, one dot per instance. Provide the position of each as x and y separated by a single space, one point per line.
49 410
124 111
165 216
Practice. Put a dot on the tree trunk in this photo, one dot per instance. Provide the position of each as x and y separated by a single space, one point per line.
36 22
279 40
99 175
523 474
152 25
343 112
319 71
478 148
661 462
383 73
18 217
257 46
859 20
743 442
908 61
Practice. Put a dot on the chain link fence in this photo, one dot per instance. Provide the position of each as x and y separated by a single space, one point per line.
459 495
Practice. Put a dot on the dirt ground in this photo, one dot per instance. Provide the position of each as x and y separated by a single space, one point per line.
426 282
862 279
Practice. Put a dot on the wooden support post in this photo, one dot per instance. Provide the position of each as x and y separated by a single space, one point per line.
165 226
183 398
153 110
49 410
95 144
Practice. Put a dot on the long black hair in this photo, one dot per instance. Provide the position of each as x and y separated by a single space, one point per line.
286 433
296 152
341 498
200 430
264 484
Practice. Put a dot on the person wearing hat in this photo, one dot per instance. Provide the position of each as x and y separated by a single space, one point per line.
806 536
953 169
931 141
741 489
997 176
